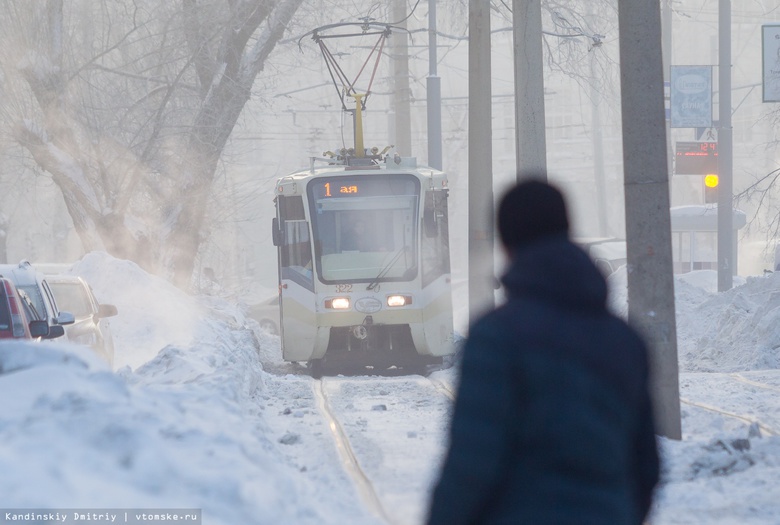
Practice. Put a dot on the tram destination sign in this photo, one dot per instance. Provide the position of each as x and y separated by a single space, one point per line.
696 158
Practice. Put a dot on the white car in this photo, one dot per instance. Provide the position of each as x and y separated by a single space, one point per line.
91 327
266 313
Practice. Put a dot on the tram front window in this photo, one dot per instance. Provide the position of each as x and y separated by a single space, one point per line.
367 231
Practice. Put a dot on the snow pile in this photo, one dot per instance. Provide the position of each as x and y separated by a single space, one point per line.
727 480
152 313
735 330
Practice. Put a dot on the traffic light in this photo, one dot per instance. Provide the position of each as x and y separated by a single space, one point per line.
711 188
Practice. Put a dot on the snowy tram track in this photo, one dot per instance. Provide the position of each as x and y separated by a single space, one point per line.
741 378
728 399
741 417
443 388
389 433
347 455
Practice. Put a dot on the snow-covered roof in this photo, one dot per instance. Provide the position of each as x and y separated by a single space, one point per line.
702 217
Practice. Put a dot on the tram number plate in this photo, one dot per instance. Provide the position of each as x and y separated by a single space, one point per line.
343 288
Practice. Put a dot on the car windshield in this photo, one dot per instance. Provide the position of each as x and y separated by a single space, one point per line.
5 314
29 308
34 293
71 297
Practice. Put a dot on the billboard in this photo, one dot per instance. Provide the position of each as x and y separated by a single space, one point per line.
770 58
691 97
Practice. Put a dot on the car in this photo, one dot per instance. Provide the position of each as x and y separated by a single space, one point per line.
91 327
266 313
35 286
17 322
608 253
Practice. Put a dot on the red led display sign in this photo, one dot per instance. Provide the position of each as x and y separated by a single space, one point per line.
696 158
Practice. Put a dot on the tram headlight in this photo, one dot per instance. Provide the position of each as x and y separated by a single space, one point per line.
399 300
337 303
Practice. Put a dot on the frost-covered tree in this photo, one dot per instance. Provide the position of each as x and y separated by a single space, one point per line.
128 106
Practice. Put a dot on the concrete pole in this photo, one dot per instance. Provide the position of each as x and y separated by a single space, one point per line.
401 90
648 222
599 170
666 31
433 87
481 271
727 264
530 143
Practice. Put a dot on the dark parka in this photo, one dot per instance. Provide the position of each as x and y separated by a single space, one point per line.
553 421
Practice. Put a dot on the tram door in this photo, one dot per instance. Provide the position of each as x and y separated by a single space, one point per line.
296 284
436 285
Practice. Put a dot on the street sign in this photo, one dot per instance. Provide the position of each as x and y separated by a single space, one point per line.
696 158
691 96
770 57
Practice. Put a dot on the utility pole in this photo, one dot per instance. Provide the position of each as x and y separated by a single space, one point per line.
401 89
599 174
727 263
481 271
530 143
666 33
648 221
433 88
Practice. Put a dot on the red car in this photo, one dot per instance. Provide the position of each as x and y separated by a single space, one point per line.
14 320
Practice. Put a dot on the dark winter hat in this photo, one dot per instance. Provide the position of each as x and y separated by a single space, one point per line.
530 210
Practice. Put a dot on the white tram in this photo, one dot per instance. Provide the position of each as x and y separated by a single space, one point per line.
364 265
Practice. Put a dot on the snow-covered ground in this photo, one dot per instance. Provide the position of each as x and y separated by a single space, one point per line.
201 413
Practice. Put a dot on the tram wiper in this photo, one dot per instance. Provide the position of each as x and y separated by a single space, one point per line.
387 267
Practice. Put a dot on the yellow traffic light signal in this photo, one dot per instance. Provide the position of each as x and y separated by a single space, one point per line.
711 188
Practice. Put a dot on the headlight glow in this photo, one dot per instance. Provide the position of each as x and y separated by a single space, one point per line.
337 303
399 300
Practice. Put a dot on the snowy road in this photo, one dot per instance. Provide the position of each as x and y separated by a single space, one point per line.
380 436
395 427
725 394
384 436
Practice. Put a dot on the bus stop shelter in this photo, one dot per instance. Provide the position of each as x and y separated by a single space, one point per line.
695 237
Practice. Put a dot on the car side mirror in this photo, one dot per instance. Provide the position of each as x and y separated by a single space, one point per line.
55 331
39 328
65 318
276 232
107 310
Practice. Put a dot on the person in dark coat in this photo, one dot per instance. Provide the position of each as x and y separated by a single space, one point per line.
553 421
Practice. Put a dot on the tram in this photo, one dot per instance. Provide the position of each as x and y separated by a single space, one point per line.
363 245
364 263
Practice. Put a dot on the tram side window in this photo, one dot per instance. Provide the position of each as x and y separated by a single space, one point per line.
296 246
435 238
291 208
296 252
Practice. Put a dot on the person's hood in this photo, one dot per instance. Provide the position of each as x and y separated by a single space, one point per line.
556 270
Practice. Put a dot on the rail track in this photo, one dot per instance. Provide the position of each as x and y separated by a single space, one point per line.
389 435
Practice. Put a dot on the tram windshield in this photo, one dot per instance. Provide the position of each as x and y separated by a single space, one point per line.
364 227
